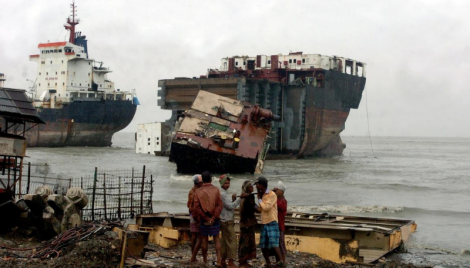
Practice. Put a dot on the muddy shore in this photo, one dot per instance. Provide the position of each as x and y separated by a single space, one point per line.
104 251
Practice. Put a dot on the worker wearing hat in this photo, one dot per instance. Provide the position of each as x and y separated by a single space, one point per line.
267 202
280 189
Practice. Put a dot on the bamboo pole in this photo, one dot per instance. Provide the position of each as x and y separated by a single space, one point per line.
132 192
29 178
104 197
93 196
119 200
20 177
142 192
151 193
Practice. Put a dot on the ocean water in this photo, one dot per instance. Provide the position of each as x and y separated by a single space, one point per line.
423 179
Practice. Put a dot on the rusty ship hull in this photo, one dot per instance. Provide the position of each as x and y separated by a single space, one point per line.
313 115
221 135
196 160
82 123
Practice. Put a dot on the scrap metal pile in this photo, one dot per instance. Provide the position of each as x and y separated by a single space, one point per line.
53 247
50 214
222 135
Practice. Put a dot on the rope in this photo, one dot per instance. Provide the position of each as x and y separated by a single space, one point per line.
368 127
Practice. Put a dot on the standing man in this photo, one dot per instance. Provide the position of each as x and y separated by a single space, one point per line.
281 216
229 239
194 225
267 201
207 207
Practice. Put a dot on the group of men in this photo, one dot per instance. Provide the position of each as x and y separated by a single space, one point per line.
212 210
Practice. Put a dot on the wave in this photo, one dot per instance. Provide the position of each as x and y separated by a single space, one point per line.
348 209
436 250
168 202
446 213
180 177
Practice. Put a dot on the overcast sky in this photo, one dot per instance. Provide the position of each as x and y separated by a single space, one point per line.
417 52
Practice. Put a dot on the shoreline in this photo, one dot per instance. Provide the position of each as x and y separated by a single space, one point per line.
103 250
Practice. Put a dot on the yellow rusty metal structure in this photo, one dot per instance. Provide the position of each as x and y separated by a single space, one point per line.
339 239
325 248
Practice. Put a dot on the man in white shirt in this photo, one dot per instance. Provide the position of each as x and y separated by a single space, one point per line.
229 239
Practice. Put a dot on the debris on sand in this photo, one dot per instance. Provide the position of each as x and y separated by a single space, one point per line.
102 249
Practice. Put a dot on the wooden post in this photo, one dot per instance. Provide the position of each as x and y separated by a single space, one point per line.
119 199
81 183
104 197
9 171
29 178
132 192
142 192
4 165
93 196
20 177
151 193
123 248
13 186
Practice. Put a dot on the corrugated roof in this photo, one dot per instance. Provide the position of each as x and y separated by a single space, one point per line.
15 105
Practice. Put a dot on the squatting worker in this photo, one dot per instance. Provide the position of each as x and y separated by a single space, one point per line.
281 216
229 239
207 207
267 201
247 243
194 225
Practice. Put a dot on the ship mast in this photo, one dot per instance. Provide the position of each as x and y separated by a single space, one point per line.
71 22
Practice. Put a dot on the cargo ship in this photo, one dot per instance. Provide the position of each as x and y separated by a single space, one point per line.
80 105
311 93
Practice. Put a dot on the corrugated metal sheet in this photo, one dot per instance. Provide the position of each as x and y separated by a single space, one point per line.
15 105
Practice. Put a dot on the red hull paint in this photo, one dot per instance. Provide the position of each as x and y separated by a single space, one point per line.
56 44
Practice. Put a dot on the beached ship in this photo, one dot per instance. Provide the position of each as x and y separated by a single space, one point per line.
312 93
221 135
80 105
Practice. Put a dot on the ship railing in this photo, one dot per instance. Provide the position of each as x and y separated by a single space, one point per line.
101 68
101 95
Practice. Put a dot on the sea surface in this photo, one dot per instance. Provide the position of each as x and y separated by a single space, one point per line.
423 179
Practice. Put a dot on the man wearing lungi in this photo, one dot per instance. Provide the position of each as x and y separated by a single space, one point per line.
267 201
206 210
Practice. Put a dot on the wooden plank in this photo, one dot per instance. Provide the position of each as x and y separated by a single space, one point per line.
371 255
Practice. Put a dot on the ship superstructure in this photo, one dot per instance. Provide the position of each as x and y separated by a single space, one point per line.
263 66
312 93
80 104
65 72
